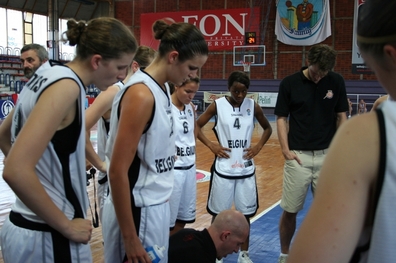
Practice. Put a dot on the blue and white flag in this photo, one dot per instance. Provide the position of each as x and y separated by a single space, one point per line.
302 22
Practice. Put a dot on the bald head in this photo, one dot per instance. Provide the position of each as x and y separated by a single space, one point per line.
231 220
228 231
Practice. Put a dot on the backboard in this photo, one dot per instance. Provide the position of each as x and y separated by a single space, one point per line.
255 54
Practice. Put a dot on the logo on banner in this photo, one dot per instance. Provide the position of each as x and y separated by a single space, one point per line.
302 22
6 108
223 29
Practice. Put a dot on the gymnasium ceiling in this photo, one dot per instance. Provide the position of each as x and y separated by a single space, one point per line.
77 9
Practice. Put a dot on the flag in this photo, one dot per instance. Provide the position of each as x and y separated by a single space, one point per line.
302 22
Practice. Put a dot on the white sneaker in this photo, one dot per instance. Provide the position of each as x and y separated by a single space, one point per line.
282 259
219 260
244 257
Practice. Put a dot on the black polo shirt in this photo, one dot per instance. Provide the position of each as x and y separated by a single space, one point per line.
312 109
192 246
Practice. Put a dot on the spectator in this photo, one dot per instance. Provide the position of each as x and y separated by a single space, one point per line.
350 104
32 57
362 107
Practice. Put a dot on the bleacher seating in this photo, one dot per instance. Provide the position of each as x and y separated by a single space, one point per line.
11 70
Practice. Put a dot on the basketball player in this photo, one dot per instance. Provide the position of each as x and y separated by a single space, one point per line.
233 177
183 199
141 147
99 112
47 130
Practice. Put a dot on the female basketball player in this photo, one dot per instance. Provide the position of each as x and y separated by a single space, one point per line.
141 146
233 179
45 165
99 112
184 194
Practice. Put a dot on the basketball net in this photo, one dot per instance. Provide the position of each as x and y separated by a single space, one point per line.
246 66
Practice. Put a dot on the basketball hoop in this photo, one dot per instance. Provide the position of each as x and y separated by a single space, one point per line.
246 66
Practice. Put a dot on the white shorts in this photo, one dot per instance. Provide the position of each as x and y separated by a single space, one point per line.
153 228
19 244
184 195
224 192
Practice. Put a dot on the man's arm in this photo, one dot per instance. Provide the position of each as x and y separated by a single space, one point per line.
341 118
282 129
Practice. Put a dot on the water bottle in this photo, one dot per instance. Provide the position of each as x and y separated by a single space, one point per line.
155 253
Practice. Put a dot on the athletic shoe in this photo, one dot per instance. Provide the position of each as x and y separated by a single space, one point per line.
244 257
282 259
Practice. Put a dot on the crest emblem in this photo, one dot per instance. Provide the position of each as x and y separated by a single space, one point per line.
329 95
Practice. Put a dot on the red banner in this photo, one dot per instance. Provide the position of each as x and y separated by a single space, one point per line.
223 29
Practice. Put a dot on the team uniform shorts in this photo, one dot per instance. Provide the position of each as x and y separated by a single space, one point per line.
297 178
103 191
184 195
153 226
223 192
19 244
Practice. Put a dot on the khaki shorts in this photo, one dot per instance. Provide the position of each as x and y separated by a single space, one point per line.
297 178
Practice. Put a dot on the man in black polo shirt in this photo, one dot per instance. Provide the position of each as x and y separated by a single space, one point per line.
224 236
311 106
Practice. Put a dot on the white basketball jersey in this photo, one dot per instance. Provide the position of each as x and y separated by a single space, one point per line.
103 127
185 139
233 128
61 169
151 172
383 239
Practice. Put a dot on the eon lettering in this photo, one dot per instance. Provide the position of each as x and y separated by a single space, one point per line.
212 19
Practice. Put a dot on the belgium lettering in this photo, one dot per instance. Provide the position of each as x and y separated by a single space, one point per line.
165 164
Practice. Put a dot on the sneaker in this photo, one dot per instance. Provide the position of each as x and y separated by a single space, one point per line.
219 260
244 257
282 259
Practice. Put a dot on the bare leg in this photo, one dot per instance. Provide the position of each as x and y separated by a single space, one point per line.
287 227
245 245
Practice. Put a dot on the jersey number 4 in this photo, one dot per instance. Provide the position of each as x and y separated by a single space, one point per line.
237 125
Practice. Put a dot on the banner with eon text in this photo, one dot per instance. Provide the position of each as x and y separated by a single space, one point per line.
358 66
210 97
223 29
302 22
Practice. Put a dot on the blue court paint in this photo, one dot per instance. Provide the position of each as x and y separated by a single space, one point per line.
264 234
